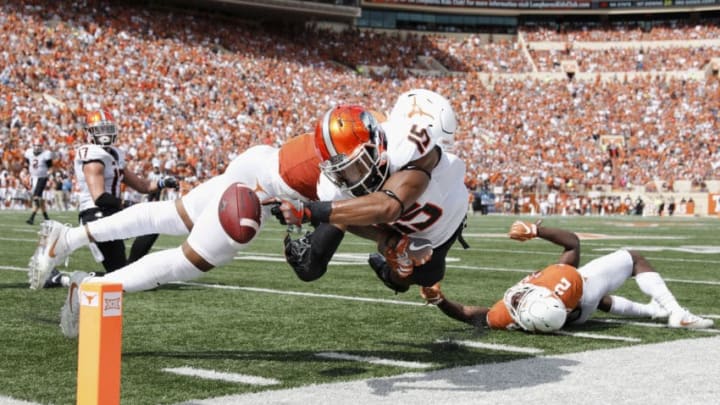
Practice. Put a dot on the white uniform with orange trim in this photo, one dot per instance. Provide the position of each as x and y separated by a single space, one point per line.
581 288
290 172
602 276
564 280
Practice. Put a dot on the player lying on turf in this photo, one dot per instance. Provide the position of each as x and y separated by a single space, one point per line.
563 294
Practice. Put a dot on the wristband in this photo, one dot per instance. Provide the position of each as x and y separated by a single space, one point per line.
319 211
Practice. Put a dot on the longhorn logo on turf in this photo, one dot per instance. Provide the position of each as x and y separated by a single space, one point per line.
88 299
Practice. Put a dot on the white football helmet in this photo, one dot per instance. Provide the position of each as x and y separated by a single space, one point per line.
535 308
432 109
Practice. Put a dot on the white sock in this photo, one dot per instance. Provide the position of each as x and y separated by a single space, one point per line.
153 270
139 219
653 285
76 238
625 307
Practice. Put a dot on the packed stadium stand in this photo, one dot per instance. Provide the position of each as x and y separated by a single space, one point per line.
575 108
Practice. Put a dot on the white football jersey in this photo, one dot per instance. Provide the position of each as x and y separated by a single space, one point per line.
114 161
38 164
439 211
407 140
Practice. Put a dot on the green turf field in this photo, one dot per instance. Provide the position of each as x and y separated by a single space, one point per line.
255 318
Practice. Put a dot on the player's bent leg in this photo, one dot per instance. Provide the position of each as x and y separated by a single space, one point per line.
200 197
208 237
602 276
154 270
139 219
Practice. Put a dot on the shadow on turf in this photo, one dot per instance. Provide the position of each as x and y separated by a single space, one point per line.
484 378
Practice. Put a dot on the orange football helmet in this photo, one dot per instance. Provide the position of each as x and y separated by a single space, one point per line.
100 127
351 145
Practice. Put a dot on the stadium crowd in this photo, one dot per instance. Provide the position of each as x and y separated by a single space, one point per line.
190 99
628 31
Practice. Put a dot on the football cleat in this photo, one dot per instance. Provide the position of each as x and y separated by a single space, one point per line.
70 313
54 280
687 320
52 250
659 312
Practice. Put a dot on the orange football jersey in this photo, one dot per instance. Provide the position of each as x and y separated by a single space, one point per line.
300 165
562 279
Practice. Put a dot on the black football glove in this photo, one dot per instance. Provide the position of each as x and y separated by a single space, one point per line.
168 182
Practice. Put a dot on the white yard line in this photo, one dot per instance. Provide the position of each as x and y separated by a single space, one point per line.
598 336
374 360
303 294
492 346
221 376
647 324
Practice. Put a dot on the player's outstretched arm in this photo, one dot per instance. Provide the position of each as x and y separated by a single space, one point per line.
522 231
400 191
476 316
147 186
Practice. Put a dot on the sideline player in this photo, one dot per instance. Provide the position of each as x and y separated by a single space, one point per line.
100 168
38 162
423 202
563 294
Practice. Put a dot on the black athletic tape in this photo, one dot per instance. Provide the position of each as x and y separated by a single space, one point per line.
413 167
394 196
319 211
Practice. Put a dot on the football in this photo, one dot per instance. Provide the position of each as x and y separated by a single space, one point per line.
239 212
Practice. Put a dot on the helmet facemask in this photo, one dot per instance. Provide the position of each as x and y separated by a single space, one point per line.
101 129
103 133
361 173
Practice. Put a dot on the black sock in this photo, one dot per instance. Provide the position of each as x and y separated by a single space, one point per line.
45 215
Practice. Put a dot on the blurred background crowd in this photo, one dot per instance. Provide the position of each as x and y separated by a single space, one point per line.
191 92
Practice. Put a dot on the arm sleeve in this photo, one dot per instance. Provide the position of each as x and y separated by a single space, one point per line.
309 256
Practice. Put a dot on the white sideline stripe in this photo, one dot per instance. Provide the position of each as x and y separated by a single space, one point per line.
492 346
304 294
650 325
374 360
19 240
221 376
675 280
598 336
14 268
711 316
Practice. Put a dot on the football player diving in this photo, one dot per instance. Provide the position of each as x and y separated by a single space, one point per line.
565 294
290 172
407 193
